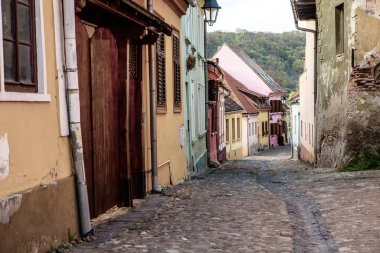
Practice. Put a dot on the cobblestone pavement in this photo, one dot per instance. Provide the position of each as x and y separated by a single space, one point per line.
265 203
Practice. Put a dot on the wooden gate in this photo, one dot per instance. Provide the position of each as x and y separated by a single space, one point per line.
101 98
135 124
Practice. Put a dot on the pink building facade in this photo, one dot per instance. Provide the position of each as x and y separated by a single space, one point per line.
244 69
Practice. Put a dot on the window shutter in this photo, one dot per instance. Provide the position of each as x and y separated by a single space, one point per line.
177 71
133 61
161 69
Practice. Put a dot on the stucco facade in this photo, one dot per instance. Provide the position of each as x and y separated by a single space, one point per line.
348 85
192 45
263 134
37 191
306 89
295 120
233 135
171 146
250 140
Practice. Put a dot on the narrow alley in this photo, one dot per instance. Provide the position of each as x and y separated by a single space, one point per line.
264 203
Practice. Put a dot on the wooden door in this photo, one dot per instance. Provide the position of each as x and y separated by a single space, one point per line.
105 98
135 122
101 99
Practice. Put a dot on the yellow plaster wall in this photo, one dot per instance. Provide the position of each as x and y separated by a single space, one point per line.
367 33
263 140
234 148
169 123
38 155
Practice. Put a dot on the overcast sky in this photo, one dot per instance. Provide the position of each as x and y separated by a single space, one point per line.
254 15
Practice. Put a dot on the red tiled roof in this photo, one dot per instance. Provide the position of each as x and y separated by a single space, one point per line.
247 104
231 105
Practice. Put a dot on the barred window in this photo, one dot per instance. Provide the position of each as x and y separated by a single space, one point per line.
161 69
177 73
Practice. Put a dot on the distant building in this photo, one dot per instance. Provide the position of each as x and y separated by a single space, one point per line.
347 102
217 91
233 129
250 139
244 69
295 116
194 93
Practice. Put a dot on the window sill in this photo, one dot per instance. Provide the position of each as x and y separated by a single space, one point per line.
177 109
340 57
161 110
24 97
202 134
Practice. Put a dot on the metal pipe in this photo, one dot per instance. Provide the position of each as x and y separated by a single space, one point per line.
248 133
315 32
206 93
153 112
72 89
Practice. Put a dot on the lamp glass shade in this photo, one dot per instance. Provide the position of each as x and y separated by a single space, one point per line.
211 8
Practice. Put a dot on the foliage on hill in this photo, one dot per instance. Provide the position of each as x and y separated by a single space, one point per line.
279 54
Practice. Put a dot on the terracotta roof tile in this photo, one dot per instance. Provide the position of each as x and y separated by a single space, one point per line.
234 85
231 106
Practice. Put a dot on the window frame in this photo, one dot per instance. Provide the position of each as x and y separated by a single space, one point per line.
201 95
41 94
339 29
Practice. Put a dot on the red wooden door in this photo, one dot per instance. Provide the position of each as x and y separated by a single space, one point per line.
135 124
101 97
105 98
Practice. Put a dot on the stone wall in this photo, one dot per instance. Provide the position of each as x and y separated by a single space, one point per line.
348 114
363 114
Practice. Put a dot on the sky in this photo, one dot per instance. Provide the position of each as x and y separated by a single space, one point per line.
254 15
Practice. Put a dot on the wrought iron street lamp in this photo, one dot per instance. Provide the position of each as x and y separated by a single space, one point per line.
211 8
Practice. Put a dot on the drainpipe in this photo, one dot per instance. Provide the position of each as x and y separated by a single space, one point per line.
72 90
248 132
153 112
206 93
315 32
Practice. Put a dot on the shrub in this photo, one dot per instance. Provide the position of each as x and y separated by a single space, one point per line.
368 159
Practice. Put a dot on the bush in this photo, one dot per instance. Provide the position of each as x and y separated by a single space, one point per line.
366 160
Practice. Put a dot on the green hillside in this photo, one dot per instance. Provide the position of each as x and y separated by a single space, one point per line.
279 54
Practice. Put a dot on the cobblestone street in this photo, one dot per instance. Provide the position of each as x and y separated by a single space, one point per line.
265 203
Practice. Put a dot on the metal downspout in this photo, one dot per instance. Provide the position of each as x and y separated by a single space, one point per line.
315 32
248 133
206 93
153 111
72 89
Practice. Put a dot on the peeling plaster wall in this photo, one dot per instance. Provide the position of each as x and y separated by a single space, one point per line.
4 157
348 107
33 158
306 89
9 206
37 153
332 82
